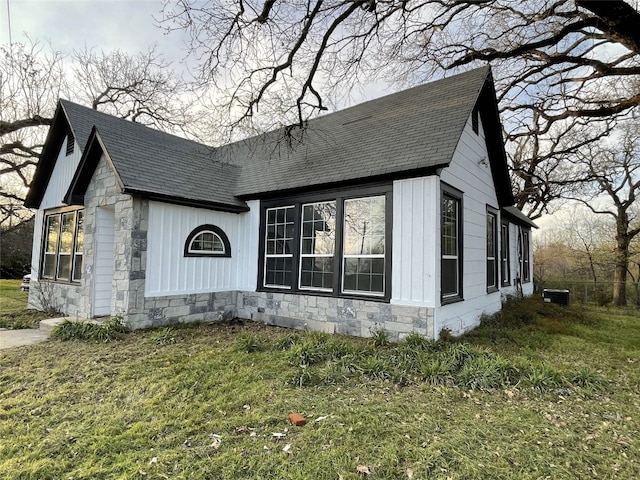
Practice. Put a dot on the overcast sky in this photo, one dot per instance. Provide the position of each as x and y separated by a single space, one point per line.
104 24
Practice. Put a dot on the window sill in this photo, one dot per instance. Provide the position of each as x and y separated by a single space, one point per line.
317 293
492 289
450 300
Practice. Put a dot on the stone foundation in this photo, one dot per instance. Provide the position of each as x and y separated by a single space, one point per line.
332 315
335 315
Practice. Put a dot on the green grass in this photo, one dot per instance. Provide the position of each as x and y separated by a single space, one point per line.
13 304
539 392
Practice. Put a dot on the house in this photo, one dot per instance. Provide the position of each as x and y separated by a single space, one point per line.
394 214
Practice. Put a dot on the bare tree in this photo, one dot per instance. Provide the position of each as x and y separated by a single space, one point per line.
31 80
559 64
141 88
612 173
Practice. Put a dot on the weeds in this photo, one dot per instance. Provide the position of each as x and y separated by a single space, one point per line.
108 331
164 336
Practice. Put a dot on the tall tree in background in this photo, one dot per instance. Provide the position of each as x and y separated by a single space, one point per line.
560 65
612 177
142 88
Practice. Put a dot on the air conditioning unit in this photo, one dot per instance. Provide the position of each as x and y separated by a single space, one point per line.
550 295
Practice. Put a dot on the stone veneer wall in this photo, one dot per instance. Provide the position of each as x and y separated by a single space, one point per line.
335 315
328 314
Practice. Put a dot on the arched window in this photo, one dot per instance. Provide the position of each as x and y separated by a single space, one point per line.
207 241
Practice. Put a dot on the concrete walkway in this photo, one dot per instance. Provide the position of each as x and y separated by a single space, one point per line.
19 338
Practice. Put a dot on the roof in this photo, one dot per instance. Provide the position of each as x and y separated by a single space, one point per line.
516 215
409 133
415 130
149 162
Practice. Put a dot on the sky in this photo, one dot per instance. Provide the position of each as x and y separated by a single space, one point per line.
103 24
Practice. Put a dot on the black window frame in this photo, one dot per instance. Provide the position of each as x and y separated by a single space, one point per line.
505 254
339 196
447 191
206 253
526 257
75 272
492 261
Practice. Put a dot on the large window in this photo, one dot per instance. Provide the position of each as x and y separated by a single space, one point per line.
335 246
451 245
364 245
62 246
492 250
505 273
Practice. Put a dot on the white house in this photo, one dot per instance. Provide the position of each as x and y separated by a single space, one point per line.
394 214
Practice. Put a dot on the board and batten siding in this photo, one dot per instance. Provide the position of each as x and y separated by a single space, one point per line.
416 207
61 177
169 272
470 172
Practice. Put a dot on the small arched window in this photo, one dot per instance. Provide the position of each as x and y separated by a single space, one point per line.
207 241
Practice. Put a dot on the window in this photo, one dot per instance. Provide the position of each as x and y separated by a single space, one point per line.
505 273
364 245
492 250
451 245
526 271
317 246
207 241
278 257
334 246
62 246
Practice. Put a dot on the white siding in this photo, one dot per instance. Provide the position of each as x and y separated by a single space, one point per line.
59 182
169 272
469 172
415 224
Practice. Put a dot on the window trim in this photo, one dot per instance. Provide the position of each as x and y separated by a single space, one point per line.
492 213
207 228
339 196
505 255
457 195
74 252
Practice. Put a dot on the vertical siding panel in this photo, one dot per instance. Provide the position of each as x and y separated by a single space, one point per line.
170 273
413 241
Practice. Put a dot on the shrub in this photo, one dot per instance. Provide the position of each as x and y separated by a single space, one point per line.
110 330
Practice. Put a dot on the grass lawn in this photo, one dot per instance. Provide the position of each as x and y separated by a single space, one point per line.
13 302
540 392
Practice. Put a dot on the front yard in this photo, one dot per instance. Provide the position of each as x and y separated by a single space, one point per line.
542 392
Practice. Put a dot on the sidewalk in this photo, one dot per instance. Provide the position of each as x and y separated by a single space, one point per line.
19 338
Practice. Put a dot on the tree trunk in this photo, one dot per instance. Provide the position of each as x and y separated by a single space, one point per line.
622 260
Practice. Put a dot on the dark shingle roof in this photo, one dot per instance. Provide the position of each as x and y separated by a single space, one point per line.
414 129
154 162
411 132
